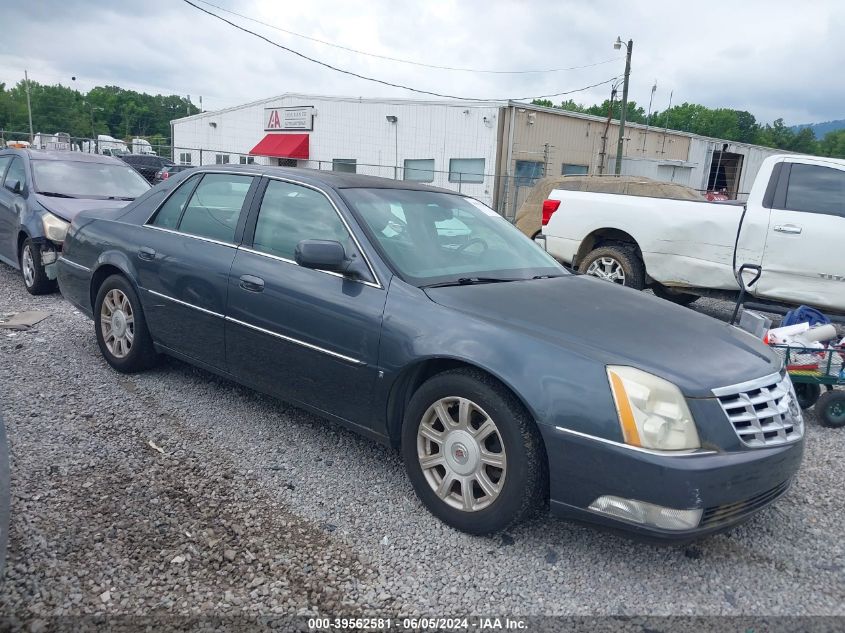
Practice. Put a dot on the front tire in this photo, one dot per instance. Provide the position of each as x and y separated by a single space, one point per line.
35 279
122 333
617 264
472 453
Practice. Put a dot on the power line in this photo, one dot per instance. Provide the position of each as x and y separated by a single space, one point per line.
407 61
381 81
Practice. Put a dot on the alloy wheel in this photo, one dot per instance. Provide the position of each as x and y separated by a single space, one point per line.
461 453
607 268
117 321
28 266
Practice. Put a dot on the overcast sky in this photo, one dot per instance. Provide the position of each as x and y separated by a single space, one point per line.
774 58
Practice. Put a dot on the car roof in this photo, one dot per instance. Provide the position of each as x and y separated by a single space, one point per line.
64 155
333 179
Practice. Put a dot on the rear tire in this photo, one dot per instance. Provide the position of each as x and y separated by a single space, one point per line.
831 409
35 280
122 333
484 425
675 296
618 264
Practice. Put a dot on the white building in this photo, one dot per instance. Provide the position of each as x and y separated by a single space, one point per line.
445 143
493 151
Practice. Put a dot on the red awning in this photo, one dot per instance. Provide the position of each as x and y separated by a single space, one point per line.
282 146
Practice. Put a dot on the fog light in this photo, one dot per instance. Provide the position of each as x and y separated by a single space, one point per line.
647 513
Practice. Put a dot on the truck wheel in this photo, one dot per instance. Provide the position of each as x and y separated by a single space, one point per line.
675 296
831 409
34 277
808 394
618 264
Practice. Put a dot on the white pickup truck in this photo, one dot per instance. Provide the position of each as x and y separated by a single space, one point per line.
793 227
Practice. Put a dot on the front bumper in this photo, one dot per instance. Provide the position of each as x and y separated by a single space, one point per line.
728 486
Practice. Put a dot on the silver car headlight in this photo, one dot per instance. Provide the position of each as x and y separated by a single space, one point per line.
55 229
653 412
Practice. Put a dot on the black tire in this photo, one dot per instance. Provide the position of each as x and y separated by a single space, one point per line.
626 257
525 481
675 296
141 354
831 409
808 394
35 280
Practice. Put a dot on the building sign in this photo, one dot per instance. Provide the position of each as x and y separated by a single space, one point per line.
301 118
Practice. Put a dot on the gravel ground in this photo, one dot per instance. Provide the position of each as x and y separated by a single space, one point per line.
177 492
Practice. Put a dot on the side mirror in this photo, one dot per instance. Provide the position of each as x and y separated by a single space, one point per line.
331 256
322 255
16 186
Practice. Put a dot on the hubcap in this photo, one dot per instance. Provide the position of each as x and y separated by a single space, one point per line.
609 269
461 453
117 322
28 267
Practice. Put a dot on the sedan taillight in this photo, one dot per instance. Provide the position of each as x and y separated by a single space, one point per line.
549 208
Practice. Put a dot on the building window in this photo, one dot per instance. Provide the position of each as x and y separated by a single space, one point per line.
466 170
419 169
346 165
528 172
287 162
246 160
221 159
185 158
574 170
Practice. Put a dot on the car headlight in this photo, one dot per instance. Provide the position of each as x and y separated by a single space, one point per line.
652 411
55 229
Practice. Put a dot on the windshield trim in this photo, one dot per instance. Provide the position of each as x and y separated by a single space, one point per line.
422 283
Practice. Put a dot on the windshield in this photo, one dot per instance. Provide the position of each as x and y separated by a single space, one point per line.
79 179
432 238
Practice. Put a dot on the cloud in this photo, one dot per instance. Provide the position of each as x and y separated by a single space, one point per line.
775 59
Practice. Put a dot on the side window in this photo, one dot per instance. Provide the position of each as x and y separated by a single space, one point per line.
289 214
15 173
816 189
168 215
215 207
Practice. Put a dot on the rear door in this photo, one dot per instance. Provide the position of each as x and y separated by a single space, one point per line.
183 261
802 261
303 335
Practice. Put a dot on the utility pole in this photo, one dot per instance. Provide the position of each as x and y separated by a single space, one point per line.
630 46
28 105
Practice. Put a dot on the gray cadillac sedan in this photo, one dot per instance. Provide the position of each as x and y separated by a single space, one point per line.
419 317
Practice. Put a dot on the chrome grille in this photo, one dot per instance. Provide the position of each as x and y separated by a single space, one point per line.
763 412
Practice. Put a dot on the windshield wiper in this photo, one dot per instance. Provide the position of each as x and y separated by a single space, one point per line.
119 198
55 194
470 281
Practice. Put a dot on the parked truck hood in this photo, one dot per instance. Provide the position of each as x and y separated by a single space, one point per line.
69 208
616 325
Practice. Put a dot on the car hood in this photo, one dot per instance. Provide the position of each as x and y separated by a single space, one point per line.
69 208
616 325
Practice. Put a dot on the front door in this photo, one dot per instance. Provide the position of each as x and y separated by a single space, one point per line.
11 207
182 257
303 335
802 261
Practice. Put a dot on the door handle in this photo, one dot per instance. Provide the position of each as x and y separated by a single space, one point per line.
252 283
146 253
788 228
